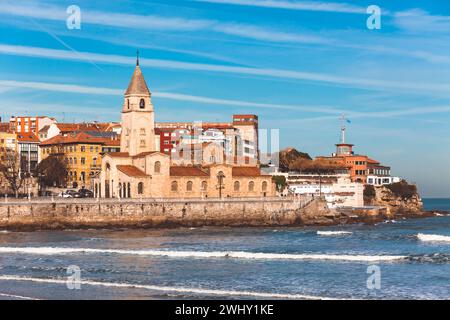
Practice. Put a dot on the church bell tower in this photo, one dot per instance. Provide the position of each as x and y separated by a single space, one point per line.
138 122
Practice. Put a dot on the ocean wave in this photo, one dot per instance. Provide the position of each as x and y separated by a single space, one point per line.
202 254
178 290
433 237
14 296
333 233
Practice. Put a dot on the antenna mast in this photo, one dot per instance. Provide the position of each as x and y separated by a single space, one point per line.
343 128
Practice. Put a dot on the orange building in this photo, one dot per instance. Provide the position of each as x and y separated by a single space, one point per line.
360 166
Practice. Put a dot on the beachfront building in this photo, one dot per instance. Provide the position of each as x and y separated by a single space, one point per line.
83 154
143 170
361 168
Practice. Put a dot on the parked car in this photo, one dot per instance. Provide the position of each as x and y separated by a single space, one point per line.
70 194
85 193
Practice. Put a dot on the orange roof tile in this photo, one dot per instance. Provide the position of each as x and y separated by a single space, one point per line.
179 171
246 172
118 154
132 171
27 137
80 137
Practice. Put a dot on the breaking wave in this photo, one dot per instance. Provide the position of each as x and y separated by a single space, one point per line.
433 237
179 290
14 296
202 254
333 233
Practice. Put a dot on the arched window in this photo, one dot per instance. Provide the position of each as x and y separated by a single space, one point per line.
264 186
142 104
174 186
204 185
251 186
189 186
128 104
237 186
157 167
129 190
140 188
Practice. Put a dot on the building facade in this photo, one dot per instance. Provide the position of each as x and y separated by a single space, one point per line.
82 153
141 170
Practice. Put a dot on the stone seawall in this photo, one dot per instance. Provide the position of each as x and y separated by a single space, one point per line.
149 213
89 213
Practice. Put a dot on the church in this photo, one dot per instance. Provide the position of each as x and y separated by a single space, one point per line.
140 170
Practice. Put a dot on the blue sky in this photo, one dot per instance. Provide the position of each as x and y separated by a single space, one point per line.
297 64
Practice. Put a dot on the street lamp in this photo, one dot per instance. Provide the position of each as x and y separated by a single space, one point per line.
220 177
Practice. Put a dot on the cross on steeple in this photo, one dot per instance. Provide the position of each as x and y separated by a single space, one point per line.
137 57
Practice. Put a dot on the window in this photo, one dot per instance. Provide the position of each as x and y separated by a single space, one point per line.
128 104
142 131
91 149
142 143
83 148
189 186
83 160
140 188
174 186
251 186
204 185
142 104
237 186
157 167
264 186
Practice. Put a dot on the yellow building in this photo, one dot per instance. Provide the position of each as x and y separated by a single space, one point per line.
82 153
8 141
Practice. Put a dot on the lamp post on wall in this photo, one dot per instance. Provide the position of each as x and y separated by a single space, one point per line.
220 186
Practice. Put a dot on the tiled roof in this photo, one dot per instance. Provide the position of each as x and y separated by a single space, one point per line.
119 154
80 137
27 137
131 171
95 126
4 127
369 160
137 84
44 128
246 172
180 171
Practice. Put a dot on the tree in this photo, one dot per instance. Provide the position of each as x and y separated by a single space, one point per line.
53 171
10 170
318 166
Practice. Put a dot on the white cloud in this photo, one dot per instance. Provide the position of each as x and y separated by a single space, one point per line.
333 111
295 5
257 33
347 81
418 20
105 18
153 22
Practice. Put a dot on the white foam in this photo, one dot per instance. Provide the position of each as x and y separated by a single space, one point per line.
16 296
200 254
433 237
182 290
4 231
333 233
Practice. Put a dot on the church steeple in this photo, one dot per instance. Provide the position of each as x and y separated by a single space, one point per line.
138 133
137 85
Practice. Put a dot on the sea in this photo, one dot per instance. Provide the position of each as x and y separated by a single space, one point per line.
404 259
